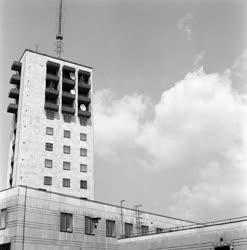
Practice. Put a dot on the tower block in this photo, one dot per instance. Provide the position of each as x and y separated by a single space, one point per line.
52 136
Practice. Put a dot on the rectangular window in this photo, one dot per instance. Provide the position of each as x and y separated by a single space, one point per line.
3 218
83 137
49 146
48 163
66 134
50 115
67 118
66 182
159 230
47 180
83 168
83 152
66 222
83 184
88 225
66 149
49 131
144 230
128 227
66 165
110 228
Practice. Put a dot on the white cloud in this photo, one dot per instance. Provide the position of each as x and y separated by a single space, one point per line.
117 121
198 59
239 73
184 24
199 126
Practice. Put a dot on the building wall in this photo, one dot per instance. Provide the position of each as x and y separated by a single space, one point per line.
232 234
30 153
39 221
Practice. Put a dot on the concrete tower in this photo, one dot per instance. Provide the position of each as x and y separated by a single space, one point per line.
52 139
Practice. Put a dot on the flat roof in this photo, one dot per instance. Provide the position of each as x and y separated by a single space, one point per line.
61 59
99 202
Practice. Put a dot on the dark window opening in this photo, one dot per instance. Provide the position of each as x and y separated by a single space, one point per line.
67 134
89 226
144 230
49 146
66 165
47 180
66 222
83 137
83 184
83 152
66 182
128 229
66 149
110 228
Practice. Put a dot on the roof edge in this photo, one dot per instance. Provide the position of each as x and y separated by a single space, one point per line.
43 54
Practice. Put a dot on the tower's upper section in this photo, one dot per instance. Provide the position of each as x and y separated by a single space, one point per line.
52 140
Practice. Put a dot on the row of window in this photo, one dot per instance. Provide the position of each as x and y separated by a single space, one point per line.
50 115
66 225
66 182
66 133
66 165
66 149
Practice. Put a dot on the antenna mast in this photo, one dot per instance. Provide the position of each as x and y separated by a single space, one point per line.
59 36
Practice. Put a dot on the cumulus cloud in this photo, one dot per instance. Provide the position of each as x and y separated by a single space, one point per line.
239 73
184 24
199 126
117 121
198 59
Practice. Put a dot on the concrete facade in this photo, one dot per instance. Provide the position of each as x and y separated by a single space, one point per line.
227 235
33 221
29 141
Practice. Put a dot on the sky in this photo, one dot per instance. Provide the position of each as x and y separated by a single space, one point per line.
170 96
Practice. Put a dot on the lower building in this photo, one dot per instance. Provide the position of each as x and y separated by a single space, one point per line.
33 218
38 219
221 235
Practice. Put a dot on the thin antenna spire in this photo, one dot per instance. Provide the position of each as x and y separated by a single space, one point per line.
59 36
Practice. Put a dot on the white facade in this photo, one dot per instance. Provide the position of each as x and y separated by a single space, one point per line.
29 153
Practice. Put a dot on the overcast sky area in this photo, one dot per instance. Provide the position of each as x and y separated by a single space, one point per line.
170 96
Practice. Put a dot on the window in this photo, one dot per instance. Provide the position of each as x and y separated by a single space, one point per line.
66 182
49 146
83 184
66 165
110 228
3 218
66 149
83 168
144 229
83 152
66 222
48 163
49 131
128 227
159 230
47 180
83 136
50 115
67 118
89 225
66 134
